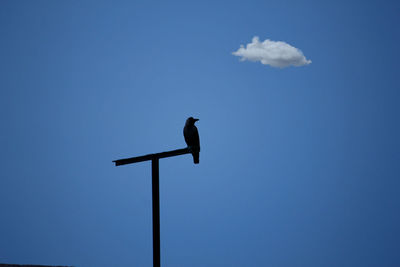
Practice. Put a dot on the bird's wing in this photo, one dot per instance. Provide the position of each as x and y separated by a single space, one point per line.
196 138
186 134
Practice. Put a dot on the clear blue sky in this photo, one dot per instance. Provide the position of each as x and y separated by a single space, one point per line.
299 166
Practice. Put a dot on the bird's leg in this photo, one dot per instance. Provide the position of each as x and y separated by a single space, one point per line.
193 149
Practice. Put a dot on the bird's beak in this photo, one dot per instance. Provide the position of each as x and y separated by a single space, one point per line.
196 119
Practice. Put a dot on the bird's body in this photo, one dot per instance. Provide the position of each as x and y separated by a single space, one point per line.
192 138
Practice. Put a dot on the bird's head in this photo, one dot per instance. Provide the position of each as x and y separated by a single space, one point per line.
191 121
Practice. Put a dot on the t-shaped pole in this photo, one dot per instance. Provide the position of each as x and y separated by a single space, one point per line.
155 191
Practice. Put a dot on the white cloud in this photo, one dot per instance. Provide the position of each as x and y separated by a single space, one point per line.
274 53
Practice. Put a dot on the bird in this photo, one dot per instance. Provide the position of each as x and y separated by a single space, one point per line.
192 138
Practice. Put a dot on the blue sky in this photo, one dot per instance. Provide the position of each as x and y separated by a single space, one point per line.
298 166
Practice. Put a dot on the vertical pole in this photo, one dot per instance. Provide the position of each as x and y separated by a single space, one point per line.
156 212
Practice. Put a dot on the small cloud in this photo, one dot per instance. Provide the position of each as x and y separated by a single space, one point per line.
274 53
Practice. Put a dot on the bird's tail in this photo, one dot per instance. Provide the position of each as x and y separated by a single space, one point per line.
195 150
196 156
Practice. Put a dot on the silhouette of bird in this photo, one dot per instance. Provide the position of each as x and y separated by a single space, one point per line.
192 138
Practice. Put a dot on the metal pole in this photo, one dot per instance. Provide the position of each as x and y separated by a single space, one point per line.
155 191
156 212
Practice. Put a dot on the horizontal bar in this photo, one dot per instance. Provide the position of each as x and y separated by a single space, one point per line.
166 154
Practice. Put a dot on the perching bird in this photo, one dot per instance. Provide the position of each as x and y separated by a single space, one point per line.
192 138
